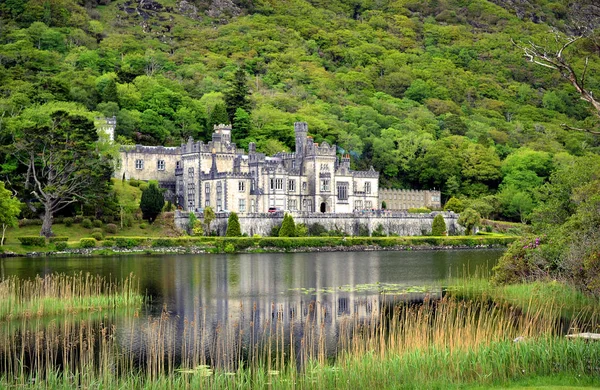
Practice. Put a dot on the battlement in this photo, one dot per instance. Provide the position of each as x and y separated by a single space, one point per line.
300 127
151 149
371 173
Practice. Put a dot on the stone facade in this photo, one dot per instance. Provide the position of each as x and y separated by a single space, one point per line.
224 177
408 199
400 223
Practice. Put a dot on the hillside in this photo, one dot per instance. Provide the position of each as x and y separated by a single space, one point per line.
431 93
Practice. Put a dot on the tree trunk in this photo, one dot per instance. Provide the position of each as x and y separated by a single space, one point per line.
4 226
47 224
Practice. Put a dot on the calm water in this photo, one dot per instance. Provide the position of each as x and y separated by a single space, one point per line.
236 297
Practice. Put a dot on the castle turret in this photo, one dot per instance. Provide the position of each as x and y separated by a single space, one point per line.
301 130
222 133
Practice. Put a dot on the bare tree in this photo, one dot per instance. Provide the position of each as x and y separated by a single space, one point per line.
583 23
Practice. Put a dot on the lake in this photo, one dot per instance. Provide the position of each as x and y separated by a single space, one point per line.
235 301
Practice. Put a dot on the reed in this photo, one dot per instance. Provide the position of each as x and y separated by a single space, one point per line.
59 293
437 343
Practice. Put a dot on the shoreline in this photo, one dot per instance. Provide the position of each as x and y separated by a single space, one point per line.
196 250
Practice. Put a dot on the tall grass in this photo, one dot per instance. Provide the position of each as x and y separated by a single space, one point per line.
436 343
59 293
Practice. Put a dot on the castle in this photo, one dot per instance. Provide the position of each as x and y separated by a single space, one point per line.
224 177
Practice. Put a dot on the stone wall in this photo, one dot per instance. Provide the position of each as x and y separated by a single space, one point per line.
403 224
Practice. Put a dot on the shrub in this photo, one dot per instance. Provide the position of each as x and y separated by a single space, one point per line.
163 242
152 202
288 227
438 227
60 245
97 236
58 239
134 182
97 223
32 241
363 230
469 219
143 225
108 242
96 230
454 204
111 228
275 231
229 248
419 210
68 221
233 226
29 222
301 230
130 242
87 243
316 229
78 219
379 232
86 223
128 220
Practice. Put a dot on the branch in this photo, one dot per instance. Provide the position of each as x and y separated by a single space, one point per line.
565 126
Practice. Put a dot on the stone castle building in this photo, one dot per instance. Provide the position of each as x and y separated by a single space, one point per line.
224 177
407 199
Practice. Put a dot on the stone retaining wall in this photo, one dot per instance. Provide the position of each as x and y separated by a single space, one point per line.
403 224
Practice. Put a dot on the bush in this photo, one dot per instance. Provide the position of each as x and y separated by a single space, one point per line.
97 236
288 227
32 241
130 242
30 222
97 223
419 210
96 230
363 230
301 230
438 227
275 231
143 225
86 223
134 183
78 219
68 222
229 248
108 242
316 229
128 220
60 245
454 204
233 226
163 242
111 228
379 232
58 239
87 243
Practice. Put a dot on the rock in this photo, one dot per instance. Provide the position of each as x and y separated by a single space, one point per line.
150 5
223 8
188 9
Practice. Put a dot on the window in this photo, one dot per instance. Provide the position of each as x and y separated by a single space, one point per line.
276 184
306 205
178 164
139 164
358 204
291 185
206 194
293 164
191 173
191 196
252 206
325 185
242 206
368 187
160 165
303 186
252 185
368 204
241 186
219 196
293 204
342 189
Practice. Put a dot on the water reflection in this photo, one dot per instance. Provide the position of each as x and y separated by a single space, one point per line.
227 308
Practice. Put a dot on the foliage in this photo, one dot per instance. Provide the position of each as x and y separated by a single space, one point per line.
58 239
469 219
32 241
111 228
419 210
233 226
288 227
454 204
61 245
68 221
97 236
86 223
10 207
379 231
438 227
237 96
87 243
152 202
209 216
97 223
383 205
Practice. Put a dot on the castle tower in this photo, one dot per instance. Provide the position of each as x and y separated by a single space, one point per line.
301 130
107 125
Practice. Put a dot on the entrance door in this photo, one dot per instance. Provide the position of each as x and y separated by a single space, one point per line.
323 207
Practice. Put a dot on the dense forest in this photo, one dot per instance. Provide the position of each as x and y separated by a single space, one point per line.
433 94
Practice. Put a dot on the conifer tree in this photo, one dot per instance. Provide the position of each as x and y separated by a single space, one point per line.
152 202
237 95
218 116
438 227
241 124
288 227
233 226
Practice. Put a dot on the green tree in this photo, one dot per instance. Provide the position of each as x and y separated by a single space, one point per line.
218 116
237 96
438 227
192 220
10 207
233 226
152 202
383 205
241 124
209 216
454 204
62 161
469 219
288 227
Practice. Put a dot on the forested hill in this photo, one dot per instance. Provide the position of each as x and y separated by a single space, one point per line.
432 93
